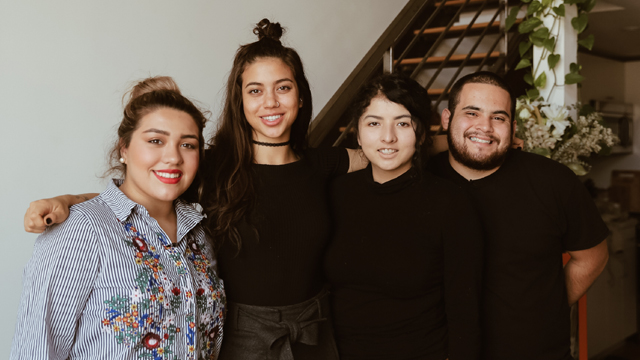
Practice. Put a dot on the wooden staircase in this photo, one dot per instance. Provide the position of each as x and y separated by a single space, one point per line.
434 42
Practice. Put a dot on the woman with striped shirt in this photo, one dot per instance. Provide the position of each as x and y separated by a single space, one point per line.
130 274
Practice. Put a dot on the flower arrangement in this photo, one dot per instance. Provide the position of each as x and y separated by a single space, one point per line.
549 130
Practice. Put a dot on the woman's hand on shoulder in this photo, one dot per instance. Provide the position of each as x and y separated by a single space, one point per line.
45 212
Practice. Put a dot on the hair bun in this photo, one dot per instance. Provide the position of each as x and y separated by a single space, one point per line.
267 29
154 84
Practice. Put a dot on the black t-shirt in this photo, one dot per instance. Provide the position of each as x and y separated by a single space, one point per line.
533 209
405 268
283 264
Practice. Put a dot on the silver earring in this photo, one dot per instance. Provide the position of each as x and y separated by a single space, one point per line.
122 160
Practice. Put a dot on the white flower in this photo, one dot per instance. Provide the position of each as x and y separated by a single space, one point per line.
524 113
556 117
136 295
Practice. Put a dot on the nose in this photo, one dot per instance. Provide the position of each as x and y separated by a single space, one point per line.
271 100
484 124
172 154
388 134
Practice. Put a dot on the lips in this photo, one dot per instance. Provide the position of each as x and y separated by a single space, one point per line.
272 120
387 152
168 176
481 139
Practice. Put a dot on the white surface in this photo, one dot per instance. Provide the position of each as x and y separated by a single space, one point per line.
65 65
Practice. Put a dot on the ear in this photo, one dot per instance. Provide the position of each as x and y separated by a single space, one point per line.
514 126
123 151
445 119
300 104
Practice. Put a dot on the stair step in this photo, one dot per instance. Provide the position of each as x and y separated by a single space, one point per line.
438 30
435 91
460 2
437 59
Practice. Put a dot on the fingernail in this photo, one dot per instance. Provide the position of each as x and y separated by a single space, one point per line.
48 221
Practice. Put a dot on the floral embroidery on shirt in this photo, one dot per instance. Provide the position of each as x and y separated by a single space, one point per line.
145 319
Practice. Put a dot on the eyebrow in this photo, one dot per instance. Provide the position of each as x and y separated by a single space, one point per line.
395 118
259 84
473 107
163 132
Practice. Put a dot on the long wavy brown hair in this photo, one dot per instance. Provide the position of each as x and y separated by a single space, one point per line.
229 193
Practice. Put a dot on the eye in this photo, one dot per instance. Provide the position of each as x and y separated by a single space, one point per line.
189 146
499 118
404 124
284 88
254 91
155 141
373 123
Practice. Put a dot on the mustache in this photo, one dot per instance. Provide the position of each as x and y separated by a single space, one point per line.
481 134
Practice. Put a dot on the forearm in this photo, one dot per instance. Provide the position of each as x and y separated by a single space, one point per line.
581 272
76 199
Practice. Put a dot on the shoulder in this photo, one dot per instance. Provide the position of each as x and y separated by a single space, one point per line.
329 160
541 170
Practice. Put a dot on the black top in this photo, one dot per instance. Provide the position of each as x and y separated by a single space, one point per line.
404 265
533 209
283 264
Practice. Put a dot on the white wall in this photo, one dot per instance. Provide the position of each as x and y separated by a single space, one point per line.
65 64
612 80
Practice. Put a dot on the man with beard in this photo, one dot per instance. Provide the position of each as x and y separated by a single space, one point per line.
533 209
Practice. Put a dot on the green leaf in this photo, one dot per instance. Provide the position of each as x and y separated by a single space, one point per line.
572 1
533 94
546 3
588 5
533 7
559 10
541 81
575 68
526 1
523 47
580 22
577 168
511 19
573 78
587 42
541 151
549 44
539 42
552 60
528 25
541 33
528 78
523 64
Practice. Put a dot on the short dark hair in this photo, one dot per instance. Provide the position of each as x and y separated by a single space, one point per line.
403 91
480 77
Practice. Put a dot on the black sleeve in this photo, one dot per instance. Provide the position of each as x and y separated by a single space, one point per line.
584 225
331 161
463 262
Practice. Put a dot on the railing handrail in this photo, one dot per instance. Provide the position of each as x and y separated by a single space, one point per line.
341 99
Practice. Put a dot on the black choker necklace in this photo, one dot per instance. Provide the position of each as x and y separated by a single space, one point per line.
271 144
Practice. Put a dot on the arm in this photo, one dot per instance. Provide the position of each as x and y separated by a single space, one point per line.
42 213
583 268
357 160
58 281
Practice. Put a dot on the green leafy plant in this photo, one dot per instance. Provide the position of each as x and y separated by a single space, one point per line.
543 37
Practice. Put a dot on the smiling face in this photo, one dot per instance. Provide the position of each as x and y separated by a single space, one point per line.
162 158
270 98
387 138
480 130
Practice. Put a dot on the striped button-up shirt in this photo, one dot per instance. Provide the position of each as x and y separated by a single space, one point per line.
109 284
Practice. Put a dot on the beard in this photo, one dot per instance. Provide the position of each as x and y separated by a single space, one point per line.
461 153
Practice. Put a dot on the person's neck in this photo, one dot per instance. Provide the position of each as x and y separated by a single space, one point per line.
159 210
267 155
467 172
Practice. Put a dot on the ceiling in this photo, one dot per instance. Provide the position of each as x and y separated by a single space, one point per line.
615 24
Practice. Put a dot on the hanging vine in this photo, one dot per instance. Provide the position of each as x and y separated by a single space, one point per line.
545 38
